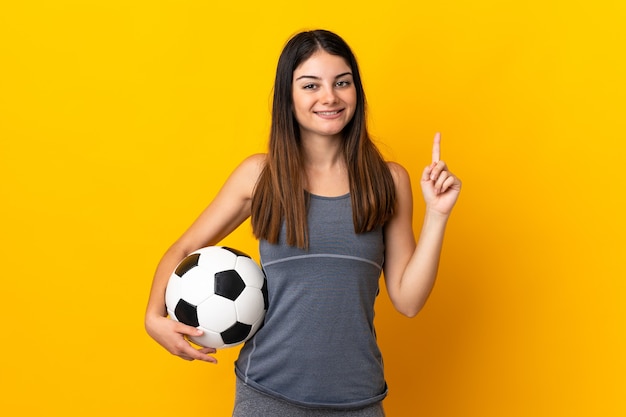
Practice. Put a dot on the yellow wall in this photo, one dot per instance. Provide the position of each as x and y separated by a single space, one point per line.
120 119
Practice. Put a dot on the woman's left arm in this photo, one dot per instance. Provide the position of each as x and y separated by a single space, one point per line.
411 268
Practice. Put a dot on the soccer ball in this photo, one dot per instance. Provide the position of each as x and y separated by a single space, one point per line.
221 291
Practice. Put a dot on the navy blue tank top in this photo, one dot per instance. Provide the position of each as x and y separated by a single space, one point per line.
318 346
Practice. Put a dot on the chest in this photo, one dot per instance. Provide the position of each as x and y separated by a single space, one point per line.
331 232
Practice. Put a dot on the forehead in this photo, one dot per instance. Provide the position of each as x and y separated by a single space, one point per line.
322 64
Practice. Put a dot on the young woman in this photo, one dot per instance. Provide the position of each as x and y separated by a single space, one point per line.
330 215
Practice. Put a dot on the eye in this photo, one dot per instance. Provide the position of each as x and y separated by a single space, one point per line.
309 87
342 83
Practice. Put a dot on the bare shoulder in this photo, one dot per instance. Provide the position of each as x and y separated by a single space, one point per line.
400 175
249 169
254 162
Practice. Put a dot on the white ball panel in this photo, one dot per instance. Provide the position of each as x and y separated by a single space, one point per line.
249 305
197 285
216 258
208 339
250 272
217 314
172 292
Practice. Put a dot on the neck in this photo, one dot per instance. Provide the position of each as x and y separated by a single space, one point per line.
323 152
325 167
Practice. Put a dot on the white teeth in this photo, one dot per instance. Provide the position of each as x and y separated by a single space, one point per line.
327 113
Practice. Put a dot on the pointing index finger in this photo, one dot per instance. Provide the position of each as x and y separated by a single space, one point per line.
437 147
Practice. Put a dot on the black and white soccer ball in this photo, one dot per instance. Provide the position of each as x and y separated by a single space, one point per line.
221 291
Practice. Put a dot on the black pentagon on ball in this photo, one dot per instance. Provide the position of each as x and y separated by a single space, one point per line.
186 313
236 333
187 264
229 284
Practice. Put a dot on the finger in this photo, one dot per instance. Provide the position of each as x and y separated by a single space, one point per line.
449 182
201 356
207 350
436 169
437 148
199 352
197 356
187 330
190 353
426 173
441 179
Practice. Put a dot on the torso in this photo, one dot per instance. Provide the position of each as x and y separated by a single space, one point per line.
318 346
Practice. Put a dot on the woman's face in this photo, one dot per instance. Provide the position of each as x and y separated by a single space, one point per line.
324 96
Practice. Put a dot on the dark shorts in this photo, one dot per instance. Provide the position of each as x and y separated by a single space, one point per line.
251 403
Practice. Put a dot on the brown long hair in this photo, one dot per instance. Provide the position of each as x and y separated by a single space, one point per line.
279 194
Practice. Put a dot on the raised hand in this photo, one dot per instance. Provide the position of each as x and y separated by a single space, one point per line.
439 186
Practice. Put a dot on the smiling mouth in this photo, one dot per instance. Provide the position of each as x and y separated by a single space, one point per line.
328 113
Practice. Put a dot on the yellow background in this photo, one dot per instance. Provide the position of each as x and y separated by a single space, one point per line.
119 120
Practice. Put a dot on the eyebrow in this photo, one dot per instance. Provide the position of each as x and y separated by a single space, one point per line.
319 78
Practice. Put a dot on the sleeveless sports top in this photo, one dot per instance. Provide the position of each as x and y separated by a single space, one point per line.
318 346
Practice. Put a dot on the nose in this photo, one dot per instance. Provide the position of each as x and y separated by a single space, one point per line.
329 95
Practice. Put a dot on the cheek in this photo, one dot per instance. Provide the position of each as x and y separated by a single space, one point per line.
299 112
353 98
349 97
297 107
296 100
301 105
351 101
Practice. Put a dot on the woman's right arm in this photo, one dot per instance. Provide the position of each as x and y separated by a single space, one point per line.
229 208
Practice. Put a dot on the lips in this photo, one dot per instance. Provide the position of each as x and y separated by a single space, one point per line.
329 114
